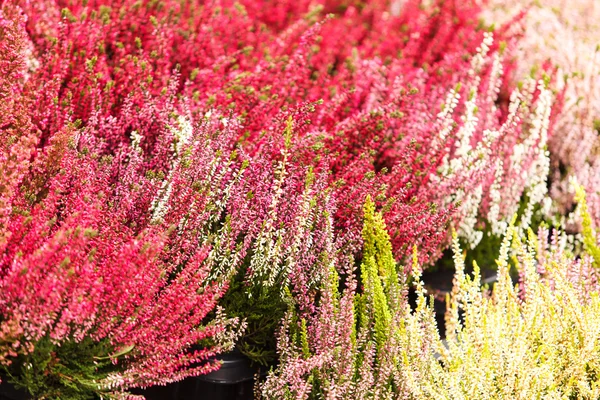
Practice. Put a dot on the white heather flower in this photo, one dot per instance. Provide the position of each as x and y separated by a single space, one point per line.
183 134
136 139
466 228
182 137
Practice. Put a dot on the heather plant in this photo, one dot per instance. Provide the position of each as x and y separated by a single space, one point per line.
537 338
457 150
204 213
362 342
282 211
126 97
414 149
564 36
153 187
105 261
256 65
106 274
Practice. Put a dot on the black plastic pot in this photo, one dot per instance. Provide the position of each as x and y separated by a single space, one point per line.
233 381
9 392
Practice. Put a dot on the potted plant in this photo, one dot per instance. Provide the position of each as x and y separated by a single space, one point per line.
104 267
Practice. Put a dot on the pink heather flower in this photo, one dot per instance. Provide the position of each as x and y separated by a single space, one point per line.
259 65
562 35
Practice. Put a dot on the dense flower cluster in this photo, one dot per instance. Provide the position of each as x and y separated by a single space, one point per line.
540 339
565 37
165 165
366 104
97 244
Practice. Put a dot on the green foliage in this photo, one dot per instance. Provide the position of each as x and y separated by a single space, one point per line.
65 372
378 272
262 308
487 249
377 246
589 235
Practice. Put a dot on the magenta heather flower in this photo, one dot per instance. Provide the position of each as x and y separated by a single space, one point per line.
130 216
103 244
381 132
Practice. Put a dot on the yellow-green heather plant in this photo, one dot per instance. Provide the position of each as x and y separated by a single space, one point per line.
538 339
589 235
